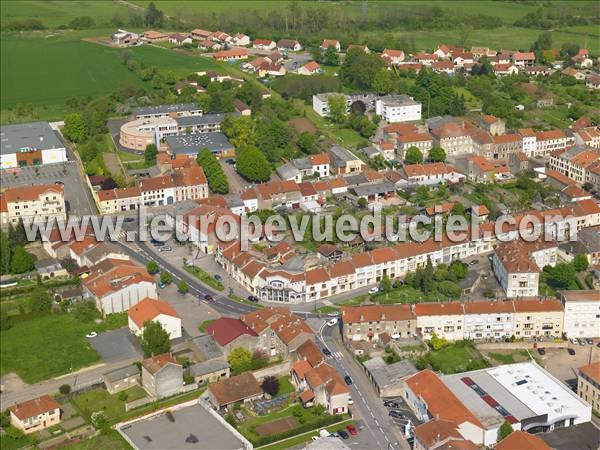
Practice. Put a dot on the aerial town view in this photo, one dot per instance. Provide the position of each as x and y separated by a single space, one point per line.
326 225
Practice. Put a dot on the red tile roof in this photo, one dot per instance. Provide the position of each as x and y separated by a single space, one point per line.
29 193
149 309
35 407
376 313
226 329
592 371
521 440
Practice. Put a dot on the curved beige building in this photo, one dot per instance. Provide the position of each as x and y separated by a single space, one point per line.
139 133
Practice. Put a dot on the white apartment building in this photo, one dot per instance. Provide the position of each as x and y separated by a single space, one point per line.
582 313
41 202
534 318
488 320
398 108
443 319
577 163
517 265
549 141
529 141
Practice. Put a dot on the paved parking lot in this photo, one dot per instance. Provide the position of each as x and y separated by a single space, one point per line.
116 345
563 366
77 198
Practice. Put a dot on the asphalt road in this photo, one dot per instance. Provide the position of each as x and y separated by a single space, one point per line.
379 431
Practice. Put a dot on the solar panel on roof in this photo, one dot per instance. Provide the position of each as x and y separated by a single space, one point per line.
521 382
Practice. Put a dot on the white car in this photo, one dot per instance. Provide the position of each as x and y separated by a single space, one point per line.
332 322
574 341
374 290
350 401
91 334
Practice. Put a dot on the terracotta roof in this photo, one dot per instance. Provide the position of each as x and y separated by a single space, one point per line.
311 353
266 42
516 255
376 313
307 396
226 329
535 305
574 191
156 363
148 309
315 276
439 309
319 158
235 389
35 407
480 210
523 55
112 275
312 66
441 402
521 440
392 53
341 268
29 193
550 135
505 138
590 295
329 42
301 367
592 371
328 376
527 132
436 430
559 177
232 53
414 170
400 128
449 130
414 137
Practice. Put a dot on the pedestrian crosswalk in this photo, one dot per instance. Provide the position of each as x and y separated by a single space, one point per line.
336 355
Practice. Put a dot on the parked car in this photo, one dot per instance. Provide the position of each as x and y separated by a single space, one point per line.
218 277
541 351
374 290
230 161
570 351
332 322
472 263
350 401
161 285
209 298
598 344
348 380
352 430
581 341
574 341
326 351
164 249
396 414
390 404
343 434
253 298
91 334
589 341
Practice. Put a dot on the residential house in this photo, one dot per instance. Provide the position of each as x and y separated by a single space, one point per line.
523 59
488 320
582 313
393 56
573 72
452 137
264 44
521 440
35 415
210 371
482 170
179 39
368 323
501 70
200 34
331 43
42 202
442 52
588 384
493 125
517 265
592 82
288 45
162 376
321 164
233 54
446 67
117 285
122 379
310 68
230 333
427 59
240 388
364 48
578 163
423 141
241 40
154 36
446 320
343 161
431 174
327 388
152 310
537 318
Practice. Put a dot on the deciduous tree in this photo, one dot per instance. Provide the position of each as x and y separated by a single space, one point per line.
413 155
155 339
75 128
253 165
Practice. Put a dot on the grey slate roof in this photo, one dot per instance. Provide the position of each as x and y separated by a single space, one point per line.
207 367
340 156
123 372
191 143
190 121
37 135
385 375
207 347
287 171
165 109
376 188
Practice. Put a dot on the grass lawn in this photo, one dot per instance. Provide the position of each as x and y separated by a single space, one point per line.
328 309
111 440
305 437
48 346
285 386
205 278
100 400
204 324
10 443
454 358
509 356
349 138
355 301
406 294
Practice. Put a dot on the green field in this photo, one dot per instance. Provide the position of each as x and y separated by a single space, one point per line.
48 71
56 13
48 346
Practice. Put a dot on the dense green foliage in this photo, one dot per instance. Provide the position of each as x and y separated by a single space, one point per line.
155 339
217 180
253 165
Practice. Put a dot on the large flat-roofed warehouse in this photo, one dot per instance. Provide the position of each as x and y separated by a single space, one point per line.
190 144
190 427
30 144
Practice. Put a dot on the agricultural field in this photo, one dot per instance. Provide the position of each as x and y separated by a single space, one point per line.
74 68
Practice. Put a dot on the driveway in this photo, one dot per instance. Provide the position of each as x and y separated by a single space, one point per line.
116 345
236 182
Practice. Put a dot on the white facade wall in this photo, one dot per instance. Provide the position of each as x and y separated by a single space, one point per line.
446 326
582 318
393 113
170 324
125 298
483 326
